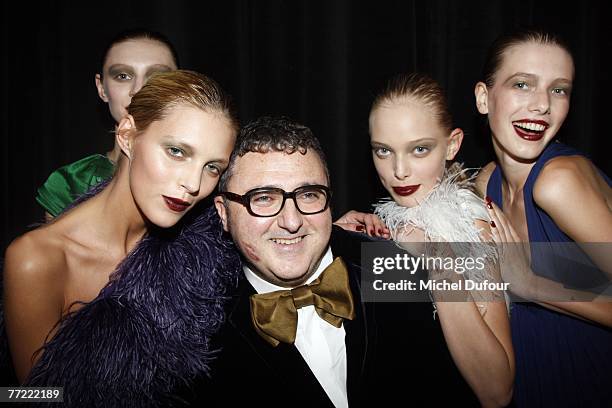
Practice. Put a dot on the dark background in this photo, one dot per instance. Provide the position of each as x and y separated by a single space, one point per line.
320 62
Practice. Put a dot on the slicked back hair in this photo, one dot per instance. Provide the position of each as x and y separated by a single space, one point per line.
420 88
495 54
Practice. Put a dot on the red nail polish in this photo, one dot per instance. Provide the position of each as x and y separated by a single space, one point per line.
488 199
360 228
379 231
493 224
489 206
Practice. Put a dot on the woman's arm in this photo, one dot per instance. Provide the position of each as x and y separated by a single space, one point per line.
478 337
575 196
572 192
367 223
526 284
33 299
481 347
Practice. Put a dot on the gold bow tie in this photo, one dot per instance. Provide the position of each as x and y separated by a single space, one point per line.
274 314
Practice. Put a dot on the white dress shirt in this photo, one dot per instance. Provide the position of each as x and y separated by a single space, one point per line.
320 343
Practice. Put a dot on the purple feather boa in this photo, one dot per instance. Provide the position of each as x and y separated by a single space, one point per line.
149 332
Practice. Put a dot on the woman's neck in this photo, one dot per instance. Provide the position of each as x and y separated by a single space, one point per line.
514 172
121 222
114 154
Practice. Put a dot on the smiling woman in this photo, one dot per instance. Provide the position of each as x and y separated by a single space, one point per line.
549 192
107 272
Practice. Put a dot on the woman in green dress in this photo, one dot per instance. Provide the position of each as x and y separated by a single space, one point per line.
128 61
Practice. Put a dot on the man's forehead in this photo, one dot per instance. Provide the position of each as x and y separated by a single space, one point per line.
278 169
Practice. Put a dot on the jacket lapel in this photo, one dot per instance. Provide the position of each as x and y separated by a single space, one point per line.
360 341
361 333
282 364
285 364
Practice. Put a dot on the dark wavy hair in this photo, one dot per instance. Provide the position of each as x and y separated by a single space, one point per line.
273 134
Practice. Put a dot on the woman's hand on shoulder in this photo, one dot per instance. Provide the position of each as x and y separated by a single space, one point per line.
485 230
544 291
33 296
367 223
514 261
573 194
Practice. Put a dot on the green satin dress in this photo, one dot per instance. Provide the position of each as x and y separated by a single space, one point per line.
65 184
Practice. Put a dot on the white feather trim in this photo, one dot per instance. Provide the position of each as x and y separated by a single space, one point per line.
447 214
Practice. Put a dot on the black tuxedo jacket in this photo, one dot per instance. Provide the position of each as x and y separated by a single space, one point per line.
250 371
396 353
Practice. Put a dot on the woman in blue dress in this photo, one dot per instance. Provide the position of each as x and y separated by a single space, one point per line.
548 192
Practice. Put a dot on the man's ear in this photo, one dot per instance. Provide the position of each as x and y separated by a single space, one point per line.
454 143
221 210
124 135
482 97
100 86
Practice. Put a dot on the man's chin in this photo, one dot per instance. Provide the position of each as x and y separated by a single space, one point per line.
290 278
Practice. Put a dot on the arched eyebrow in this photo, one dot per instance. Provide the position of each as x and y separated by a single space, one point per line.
375 144
416 142
118 68
158 68
523 75
176 142
533 77
189 149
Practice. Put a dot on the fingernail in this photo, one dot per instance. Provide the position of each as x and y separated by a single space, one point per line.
489 206
379 231
488 199
360 228
493 224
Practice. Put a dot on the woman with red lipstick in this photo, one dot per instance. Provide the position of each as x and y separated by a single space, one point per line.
412 143
128 61
118 294
548 192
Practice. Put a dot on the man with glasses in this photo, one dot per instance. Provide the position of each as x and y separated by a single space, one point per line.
297 333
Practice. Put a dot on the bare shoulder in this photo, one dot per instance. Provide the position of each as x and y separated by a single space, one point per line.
35 259
564 179
573 193
482 179
33 294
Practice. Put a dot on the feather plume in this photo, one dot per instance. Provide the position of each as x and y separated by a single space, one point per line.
148 333
447 214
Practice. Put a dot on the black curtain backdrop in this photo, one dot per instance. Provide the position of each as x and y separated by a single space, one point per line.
319 62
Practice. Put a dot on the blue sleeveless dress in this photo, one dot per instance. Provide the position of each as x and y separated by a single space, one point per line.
561 361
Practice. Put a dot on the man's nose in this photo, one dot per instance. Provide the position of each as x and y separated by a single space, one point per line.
290 219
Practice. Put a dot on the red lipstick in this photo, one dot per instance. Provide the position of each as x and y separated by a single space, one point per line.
521 129
176 204
407 190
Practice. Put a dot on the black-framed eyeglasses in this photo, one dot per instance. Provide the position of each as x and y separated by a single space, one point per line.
268 201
